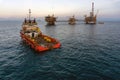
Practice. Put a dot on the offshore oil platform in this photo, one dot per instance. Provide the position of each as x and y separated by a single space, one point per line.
72 20
92 18
50 20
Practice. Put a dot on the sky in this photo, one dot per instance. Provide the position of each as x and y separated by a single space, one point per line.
107 9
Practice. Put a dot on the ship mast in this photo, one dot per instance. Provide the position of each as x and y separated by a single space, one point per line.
29 14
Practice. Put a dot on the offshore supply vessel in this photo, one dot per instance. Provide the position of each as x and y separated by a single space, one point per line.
72 20
31 34
50 20
92 18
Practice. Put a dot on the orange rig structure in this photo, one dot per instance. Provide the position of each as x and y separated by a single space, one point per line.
72 20
32 35
50 20
92 18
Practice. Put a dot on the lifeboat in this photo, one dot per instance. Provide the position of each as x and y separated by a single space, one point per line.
32 35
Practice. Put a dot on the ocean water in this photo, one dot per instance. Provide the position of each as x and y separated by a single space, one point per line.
88 52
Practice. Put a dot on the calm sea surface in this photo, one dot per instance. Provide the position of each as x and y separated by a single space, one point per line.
88 52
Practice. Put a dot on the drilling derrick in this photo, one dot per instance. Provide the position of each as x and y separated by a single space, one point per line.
92 18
